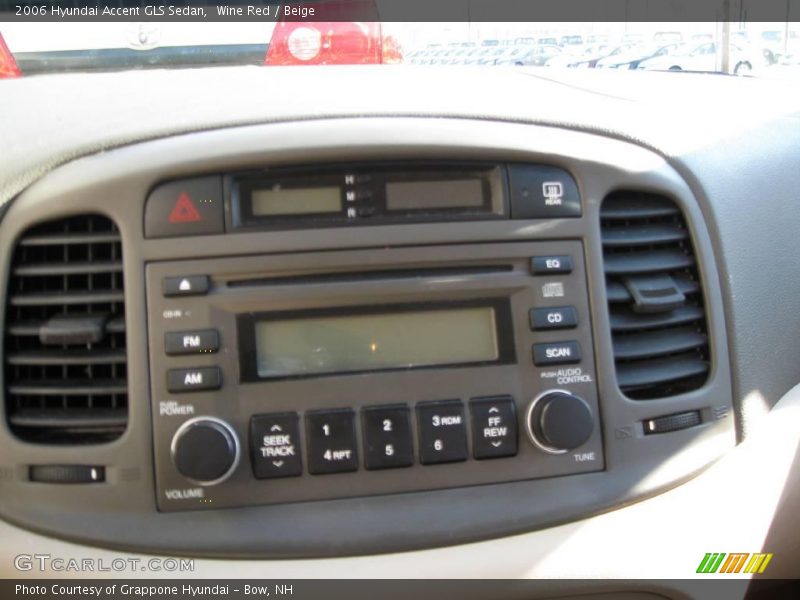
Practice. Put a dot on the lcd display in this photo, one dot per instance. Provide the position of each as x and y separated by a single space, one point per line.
421 195
295 201
367 342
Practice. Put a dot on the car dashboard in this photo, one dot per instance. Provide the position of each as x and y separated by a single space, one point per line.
374 322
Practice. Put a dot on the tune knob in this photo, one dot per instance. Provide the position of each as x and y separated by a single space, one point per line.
559 421
205 450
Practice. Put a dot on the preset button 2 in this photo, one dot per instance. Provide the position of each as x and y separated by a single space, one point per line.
387 437
331 441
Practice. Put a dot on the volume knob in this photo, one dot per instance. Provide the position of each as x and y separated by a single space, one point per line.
205 450
559 421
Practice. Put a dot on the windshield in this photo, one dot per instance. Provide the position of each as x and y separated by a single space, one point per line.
30 47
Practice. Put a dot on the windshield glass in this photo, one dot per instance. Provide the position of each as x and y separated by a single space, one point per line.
32 46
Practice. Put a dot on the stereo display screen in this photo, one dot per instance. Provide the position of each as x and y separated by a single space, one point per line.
346 343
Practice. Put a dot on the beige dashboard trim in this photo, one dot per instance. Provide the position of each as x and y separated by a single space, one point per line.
746 502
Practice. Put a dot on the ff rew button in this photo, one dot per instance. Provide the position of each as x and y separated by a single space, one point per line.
275 445
387 437
494 427
556 353
185 207
201 341
442 432
194 380
331 438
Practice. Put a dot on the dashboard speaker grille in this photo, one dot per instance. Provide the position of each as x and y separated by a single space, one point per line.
655 300
65 358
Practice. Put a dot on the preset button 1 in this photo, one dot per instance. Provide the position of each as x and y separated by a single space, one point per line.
331 441
442 432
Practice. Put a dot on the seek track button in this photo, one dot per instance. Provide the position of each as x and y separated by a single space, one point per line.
275 445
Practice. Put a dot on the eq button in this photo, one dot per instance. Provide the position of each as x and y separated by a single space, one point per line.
201 341
551 265
442 432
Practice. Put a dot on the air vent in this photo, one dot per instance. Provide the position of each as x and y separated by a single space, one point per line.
65 361
655 300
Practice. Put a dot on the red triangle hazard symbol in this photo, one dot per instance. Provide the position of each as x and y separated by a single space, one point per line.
184 210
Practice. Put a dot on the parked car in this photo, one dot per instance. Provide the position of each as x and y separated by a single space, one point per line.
630 58
703 57
530 56
571 40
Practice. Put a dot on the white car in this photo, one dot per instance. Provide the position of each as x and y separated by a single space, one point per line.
631 58
702 57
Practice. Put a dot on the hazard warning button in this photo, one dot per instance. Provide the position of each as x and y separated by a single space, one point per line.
185 207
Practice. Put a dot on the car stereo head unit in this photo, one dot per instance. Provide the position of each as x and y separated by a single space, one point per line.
360 372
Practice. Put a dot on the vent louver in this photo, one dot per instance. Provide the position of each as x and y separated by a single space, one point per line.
655 301
65 359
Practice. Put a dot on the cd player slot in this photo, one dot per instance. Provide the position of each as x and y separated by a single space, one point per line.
372 275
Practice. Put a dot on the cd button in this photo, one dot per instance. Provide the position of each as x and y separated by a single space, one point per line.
442 432
494 427
562 317
387 437
331 441
275 445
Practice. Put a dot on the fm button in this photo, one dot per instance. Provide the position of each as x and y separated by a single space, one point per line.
202 341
